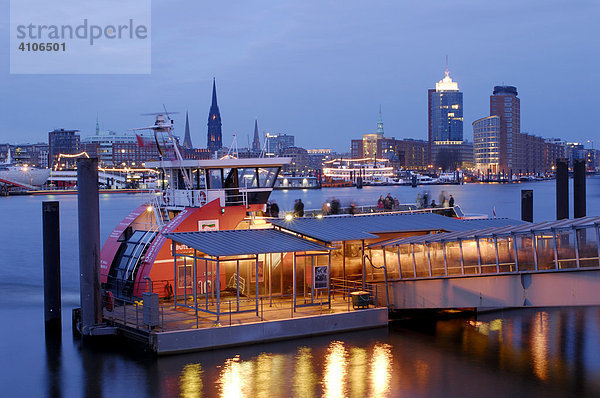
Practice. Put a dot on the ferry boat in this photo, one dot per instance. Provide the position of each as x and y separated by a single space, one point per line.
194 195
377 172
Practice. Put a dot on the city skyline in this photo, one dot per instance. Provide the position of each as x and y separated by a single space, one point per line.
281 73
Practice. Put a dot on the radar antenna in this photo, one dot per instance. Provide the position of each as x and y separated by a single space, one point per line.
162 126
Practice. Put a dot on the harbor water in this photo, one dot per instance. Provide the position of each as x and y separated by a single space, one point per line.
525 352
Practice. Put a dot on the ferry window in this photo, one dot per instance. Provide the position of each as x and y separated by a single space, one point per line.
180 180
247 178
266 176
199 179
130 248
230 180
215 179
136 236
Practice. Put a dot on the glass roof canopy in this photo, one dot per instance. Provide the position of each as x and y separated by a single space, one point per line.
519 229
550 246
244 242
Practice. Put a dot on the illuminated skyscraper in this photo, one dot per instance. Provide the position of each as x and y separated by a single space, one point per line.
446 124
445 111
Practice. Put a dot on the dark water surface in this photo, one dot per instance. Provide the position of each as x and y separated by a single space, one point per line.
532 352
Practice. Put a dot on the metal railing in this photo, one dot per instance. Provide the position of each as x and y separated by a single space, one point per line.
199 197
186 197
402 209
116 285
129 313
346 286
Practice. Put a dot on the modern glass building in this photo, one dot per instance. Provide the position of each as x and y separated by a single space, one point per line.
486 144
445 111
64 142
276 143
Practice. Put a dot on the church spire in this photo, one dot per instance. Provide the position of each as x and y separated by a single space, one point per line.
187 141
214 137
256 140
214 94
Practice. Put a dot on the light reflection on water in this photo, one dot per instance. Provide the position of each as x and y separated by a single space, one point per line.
305 379
539 345
381 369
190 381
235 378
346 371
536 347
334 379
358 370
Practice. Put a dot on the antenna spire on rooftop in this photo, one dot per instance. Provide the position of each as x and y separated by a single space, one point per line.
446 63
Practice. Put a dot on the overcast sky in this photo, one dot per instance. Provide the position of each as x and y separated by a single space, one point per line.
320 69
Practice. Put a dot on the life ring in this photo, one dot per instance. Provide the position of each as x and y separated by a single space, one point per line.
165 197
109 301
202 196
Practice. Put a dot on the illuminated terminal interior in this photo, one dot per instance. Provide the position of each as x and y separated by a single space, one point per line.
550 245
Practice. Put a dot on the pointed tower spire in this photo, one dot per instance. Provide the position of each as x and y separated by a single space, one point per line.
214 94
187 141
214 137
97 125
380 123
256 140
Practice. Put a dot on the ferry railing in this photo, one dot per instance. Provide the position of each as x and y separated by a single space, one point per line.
186 197
402 209
199 197
156 198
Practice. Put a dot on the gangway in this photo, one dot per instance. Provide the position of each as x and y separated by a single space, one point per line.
553 263
6 181
103 177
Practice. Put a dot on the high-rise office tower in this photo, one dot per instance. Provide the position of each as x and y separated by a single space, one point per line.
445 116
505 104
214 137
445 111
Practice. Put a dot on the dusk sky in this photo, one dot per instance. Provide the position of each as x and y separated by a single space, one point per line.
320 69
